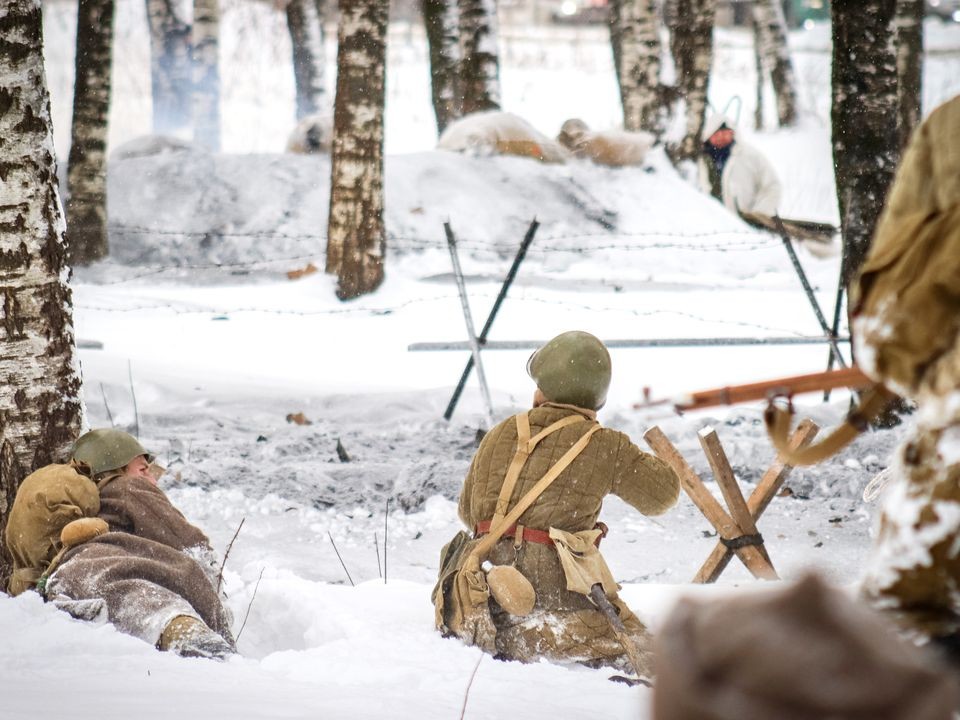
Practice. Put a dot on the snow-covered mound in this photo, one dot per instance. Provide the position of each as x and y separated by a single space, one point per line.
196 209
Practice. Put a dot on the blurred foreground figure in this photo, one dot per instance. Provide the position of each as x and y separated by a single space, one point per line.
803 652
735 173
544 591
907 330
500 133
100 540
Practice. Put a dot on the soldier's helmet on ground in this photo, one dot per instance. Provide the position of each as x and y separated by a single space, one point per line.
574 368
107 449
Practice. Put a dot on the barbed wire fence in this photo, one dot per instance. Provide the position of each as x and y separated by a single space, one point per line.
735 241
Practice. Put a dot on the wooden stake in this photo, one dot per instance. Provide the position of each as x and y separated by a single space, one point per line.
756 563
760 498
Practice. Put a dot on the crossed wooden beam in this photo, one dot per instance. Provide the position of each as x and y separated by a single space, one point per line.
737 529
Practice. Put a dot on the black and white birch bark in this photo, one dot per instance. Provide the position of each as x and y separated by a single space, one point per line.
356 237
479 56
771 31
87 165
691 44
909 42
305 24
639 74
40 406
441 21
864 119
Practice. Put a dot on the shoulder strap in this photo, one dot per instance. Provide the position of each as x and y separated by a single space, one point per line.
497 530
525 446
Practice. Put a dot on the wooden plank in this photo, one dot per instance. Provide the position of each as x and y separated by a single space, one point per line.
707 503
723 474
760 498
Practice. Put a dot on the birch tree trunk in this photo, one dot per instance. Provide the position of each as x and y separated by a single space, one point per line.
40 408
170 71
691 44
206 74
615 23
864 119
758 69
442 23
771 28
479 56
639 74
87 167
909 39
305 23
356 238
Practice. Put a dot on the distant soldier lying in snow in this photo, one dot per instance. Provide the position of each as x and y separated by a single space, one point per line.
313 135
500 133
101 540
615 148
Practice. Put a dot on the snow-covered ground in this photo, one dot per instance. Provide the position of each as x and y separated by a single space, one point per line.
207 347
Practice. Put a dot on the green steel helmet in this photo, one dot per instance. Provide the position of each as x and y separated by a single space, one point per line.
107 449
573 368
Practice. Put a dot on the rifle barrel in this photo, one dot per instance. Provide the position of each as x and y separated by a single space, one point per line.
786 386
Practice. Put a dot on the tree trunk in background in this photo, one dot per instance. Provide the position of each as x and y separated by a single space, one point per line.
691 44
771 30
909 39
864 119
356 237
40 408
206 74
171 78
479 56
87 167
615 23
442 23
305 24
758 69
640 66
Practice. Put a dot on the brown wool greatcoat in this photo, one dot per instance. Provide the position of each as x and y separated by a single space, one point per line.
152 566
564 625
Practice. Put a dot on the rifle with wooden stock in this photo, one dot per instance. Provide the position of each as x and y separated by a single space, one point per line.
874 399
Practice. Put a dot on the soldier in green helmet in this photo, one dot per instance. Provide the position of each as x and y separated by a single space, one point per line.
106 542
553 542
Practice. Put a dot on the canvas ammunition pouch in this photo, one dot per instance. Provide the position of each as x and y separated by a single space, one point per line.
461 595
582 563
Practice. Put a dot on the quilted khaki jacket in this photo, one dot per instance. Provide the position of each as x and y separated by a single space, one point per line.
610 464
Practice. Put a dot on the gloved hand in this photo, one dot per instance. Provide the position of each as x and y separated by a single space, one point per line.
79 531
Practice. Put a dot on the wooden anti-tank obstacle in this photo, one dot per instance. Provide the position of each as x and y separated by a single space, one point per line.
737 529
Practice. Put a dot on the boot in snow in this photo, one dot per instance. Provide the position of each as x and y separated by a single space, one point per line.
189 637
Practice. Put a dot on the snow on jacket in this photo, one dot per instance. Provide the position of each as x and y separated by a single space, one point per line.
564 625
500 133
152 566
748 182
915 563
